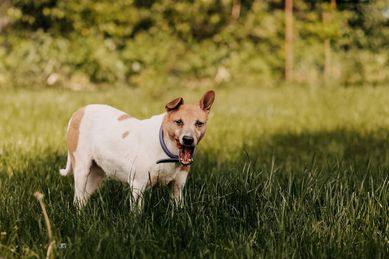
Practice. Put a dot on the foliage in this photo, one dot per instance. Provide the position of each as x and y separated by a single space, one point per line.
128 42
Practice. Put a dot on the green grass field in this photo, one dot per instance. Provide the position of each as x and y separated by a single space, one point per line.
281 173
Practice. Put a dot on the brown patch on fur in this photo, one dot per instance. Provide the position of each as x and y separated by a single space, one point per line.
74 129
125 134
74 132
123 117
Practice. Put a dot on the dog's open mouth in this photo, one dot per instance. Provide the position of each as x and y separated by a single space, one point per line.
185 154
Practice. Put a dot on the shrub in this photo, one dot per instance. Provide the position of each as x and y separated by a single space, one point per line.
81 44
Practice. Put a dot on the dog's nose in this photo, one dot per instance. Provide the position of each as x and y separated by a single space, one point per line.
188 140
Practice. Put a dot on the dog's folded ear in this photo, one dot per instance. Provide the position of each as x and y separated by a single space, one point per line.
207 100
175 104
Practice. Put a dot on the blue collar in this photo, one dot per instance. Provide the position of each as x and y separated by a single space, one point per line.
172 157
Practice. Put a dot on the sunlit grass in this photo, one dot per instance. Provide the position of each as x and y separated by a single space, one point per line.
283 172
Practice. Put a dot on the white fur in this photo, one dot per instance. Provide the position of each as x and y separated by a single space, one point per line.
131 159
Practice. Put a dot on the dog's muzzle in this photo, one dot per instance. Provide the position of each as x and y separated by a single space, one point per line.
185 154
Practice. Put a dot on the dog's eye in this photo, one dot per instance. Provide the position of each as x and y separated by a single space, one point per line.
179 122
199 124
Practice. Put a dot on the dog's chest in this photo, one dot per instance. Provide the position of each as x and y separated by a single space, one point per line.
163 174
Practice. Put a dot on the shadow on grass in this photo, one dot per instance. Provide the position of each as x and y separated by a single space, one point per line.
294 152
231 205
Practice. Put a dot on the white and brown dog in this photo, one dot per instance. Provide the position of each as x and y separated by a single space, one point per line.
103 141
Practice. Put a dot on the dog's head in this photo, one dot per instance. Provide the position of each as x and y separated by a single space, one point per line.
185 124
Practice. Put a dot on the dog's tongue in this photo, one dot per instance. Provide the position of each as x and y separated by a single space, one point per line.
186 155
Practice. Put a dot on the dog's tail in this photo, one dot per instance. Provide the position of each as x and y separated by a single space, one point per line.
68 168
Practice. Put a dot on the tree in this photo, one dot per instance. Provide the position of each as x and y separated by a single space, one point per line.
327 16
288 40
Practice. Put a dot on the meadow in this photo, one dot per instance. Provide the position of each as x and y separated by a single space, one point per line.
282 172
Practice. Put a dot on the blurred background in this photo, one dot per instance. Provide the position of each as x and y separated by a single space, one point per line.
156 45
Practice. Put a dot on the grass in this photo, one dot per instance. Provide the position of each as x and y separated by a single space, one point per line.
282 172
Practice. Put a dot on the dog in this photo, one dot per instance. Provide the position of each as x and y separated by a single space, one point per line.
104 141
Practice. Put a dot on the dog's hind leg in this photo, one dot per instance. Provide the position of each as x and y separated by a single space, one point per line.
65 171
95 177
87 179
81 172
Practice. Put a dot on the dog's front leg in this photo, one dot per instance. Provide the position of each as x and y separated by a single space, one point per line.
137 196
176 194
177 188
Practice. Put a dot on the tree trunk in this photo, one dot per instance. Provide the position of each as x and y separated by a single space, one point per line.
327 16
327 49
235 13
4 20
333 4
288 40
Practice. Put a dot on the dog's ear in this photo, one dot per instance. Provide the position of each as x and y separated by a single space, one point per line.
175 104
207 100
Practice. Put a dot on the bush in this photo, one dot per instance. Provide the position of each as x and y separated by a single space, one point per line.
82 44
364 67
44 60
29 63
